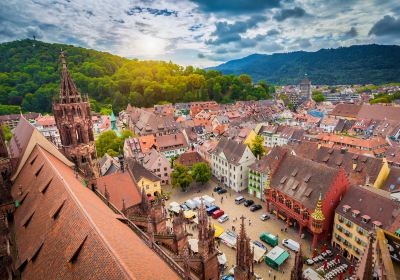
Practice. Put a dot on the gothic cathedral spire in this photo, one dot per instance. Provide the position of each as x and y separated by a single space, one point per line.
74 122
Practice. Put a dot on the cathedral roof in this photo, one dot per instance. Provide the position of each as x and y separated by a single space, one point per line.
63 230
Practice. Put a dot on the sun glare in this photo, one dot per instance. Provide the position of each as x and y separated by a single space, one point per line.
151 45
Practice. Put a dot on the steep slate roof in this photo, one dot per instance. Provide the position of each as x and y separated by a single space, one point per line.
392 183
64 231
25 138
232 150
297 177
120 186
372 202
357 167
270 161
138 171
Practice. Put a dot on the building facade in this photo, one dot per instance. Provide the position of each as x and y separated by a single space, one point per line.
361 211
230 163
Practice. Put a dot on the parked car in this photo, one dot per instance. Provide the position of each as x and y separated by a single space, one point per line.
216 189
255 207
309 261
248 202
223 218
259 244
222 191
291 244
218 213
184 207
269 238
265 217
210 210
239 199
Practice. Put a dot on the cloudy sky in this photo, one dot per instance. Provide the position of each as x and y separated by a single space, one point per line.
202 32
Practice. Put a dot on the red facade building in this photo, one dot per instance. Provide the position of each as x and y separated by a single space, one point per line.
305 194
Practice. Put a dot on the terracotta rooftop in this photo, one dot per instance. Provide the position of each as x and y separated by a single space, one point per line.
189 158
346 110
120 187
64 231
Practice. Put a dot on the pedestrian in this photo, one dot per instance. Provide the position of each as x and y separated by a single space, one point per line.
212 194
274 277
269 273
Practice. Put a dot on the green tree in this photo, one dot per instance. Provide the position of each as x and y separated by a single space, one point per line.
201 172
7 132
109 141
181 177
257 146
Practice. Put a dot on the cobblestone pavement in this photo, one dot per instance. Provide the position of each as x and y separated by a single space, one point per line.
253 229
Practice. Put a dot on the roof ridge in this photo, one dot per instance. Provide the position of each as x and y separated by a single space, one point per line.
118 260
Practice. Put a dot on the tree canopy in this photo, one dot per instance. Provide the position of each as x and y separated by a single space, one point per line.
201 172
181 177
257 146
109 142
30 75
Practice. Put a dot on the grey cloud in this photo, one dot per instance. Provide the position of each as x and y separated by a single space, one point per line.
303 43
388 25
236 6
200 55
273 32
351 33
284 14
226 32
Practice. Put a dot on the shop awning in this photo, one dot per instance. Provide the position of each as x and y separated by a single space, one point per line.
282 258
218 230
189 214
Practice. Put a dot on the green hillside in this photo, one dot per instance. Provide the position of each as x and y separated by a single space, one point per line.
362 64
30 74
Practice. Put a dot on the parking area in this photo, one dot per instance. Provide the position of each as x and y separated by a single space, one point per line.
254 226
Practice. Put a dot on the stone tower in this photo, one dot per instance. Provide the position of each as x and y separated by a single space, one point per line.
207 251
244 269
74 122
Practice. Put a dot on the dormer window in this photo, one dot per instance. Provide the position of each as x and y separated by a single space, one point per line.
376 224
365 219
355 213
346 208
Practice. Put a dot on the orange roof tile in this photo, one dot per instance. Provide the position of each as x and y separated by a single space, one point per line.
70 233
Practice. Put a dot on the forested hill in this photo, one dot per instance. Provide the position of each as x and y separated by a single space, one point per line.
362 64
30 75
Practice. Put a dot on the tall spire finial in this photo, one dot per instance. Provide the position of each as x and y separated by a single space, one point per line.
63 61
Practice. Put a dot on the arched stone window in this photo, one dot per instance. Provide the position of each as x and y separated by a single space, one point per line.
306 215
288 204
91 137
79 134
67 136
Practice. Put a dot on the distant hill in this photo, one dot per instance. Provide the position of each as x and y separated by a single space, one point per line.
362 64
30 77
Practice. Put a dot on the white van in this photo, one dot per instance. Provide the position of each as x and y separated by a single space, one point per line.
191 204
239 199
291 244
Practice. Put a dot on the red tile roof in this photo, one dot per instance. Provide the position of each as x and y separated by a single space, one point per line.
69 233
120 186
